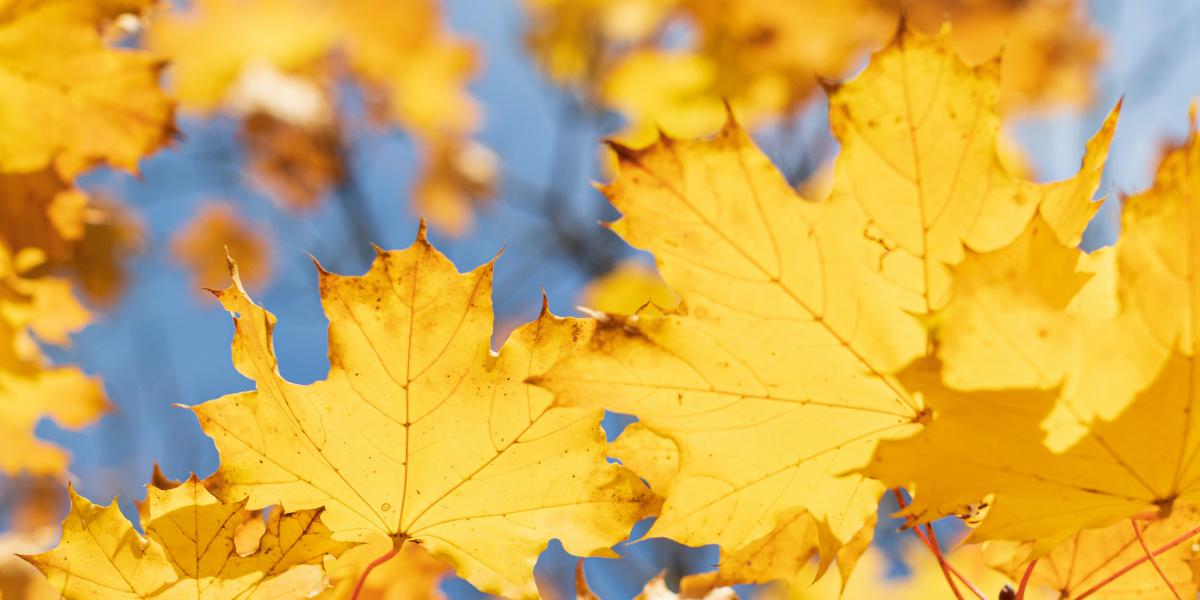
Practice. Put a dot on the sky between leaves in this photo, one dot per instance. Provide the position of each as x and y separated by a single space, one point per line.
923 320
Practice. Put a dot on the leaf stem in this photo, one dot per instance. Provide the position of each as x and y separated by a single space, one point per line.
933 547
1137 530
1025 580
362 579
1129 567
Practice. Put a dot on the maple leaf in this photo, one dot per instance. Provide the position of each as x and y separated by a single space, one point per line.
1061 462
190 550
418 432
1086 558
216 230
68 97
918 130
773 382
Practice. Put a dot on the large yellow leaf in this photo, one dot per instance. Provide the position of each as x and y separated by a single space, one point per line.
773 381
1122 431
419 432
190 551
68 97
919 130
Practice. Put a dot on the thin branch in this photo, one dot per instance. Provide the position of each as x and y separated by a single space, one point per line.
1137 530
1129 567
1025 580
362 579
931 544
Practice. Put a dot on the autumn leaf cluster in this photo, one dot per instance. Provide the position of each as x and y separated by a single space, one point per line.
926 328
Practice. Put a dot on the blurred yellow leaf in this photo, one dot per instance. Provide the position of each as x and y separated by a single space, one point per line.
456 176
216 231
297 164
627 288
68 98
30 388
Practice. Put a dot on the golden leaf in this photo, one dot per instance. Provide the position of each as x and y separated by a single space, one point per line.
772 380
418 432
188 551
68 98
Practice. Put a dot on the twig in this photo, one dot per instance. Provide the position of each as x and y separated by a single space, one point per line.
362 579
1025 580
1137 530
931 544
1129 567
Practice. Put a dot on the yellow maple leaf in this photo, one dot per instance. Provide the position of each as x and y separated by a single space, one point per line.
70 99
217 230
189 553
918 130
418 432
773 379
1041 452
1086 558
